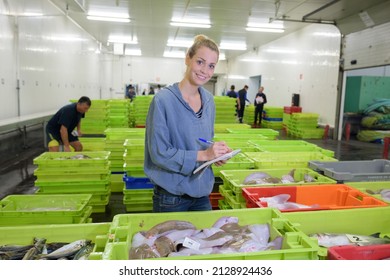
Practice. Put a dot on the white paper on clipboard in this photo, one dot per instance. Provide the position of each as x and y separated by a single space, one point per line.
223 157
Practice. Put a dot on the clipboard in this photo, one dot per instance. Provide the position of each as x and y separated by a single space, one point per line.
223 157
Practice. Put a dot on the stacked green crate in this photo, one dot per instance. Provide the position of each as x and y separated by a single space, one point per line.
96 119
288 146
222 127
93 144
267 132
131 115
75 173
115 138
233 182
16 210
304 125
133 157
225 109
272 117
249 114
137 194
141 107
118 112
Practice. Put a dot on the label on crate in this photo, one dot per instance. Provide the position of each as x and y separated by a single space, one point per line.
191 244
357 238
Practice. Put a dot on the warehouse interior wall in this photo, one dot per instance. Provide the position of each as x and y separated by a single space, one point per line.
304 62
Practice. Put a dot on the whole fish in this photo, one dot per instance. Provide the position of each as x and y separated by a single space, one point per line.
224 220
84 252
255 177
261 232
190 252
143 252
80 156
164 246
67 250
339 239
289 178
234 228
39 244
169 225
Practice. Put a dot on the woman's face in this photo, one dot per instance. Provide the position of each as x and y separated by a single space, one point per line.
201 67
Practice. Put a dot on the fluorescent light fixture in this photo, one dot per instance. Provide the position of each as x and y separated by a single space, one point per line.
199 23
69 38
237 77
174 54
32 14
327 34
108 16
122 39
118 48
233 46
112 19
269 30
133 52
279 50
180 43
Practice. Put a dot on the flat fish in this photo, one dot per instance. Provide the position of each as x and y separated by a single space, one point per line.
224 220
164 246
143 252
255 176
289 178
169 225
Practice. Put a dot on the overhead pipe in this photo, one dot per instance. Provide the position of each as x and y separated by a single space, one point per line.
320 9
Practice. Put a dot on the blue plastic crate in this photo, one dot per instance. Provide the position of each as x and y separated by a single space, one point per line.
137 183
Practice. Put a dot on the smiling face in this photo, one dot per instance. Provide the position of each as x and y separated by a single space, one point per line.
201 67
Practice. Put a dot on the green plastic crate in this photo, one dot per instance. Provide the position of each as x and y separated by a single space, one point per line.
365 221
296 245
240 161
60 159
78 176
138 206
279 143
24 235
233 179
295 148
72 187
286 159
369 187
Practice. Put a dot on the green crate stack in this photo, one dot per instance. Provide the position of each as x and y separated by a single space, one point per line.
233 182
249 114
286 159
304 125
221 127
131 115
93 144
133 157
267 132
58 233
27 209
272 117
61 173
239 137
96 119
240 161
115 138
141 107
295 245
288 145
138 200
225 109
118 112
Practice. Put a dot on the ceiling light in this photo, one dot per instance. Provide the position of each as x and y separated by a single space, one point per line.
174 54
200 23
270 30
232 46
180 43
134 52
112 19
122 39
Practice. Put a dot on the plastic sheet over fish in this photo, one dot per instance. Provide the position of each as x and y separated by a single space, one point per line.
77 250
225 236
338 239
263 178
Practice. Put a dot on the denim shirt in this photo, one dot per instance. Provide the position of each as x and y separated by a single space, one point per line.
171 142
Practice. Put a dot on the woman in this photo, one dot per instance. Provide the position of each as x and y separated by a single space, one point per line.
178 116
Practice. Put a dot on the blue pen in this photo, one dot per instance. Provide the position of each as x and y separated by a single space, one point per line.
206 141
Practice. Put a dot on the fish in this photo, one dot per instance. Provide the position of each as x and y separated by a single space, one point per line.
261 232
143 252
189 252
169 225
385 193
224 220
255 177
67 250
39 244
80 156
338 239
164 246
234 228
281 202
289 178
84 252
308 179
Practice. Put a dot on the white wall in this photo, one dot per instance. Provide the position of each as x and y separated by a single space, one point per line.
304 62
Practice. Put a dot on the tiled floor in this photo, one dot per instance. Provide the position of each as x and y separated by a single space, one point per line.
16 164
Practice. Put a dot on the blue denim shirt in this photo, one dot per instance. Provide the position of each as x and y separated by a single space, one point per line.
171 142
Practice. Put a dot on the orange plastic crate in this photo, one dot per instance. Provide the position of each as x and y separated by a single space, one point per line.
321 197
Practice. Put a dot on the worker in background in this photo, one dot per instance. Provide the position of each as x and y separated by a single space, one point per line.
241 98
178 116
259 102
233 94
60 130
130 94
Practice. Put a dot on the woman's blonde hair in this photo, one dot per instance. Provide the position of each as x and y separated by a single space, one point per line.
202 41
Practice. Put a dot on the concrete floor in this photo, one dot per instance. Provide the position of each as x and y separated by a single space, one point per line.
17 154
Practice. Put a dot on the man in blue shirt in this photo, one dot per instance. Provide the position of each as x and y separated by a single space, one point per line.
241 98
60 129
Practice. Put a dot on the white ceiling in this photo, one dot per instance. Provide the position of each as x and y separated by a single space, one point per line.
150 19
